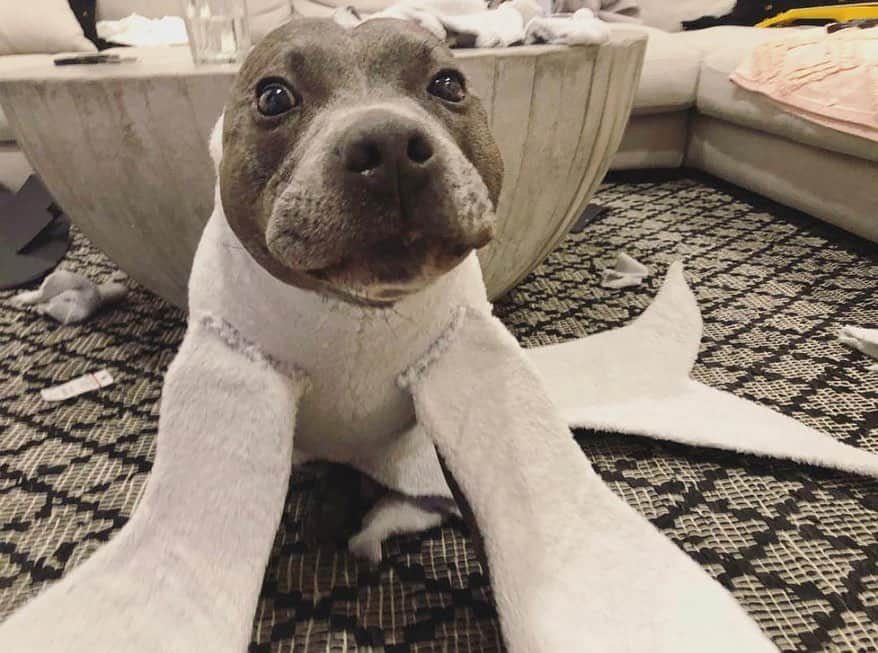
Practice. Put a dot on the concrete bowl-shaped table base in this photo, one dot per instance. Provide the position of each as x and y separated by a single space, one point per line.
124 148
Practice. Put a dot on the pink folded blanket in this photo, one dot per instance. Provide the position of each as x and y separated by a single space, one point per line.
827 78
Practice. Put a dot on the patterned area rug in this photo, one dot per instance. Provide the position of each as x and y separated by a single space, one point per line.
797 546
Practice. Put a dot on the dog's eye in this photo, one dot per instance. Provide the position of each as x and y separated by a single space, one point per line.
274 99
449 86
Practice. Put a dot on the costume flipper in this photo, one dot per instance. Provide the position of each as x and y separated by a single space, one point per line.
184 573
573 568
635 380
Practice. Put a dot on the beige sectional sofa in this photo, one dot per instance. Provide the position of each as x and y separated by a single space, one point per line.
686 112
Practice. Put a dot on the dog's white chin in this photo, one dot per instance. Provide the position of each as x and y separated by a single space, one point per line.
387 293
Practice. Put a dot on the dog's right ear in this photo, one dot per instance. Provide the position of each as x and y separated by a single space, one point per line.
215 145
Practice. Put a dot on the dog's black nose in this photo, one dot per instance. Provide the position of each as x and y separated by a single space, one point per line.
387 151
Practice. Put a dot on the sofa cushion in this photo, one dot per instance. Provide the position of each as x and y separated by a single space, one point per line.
5 132
670 72
720 98
834 187
714 39
653 141
670 15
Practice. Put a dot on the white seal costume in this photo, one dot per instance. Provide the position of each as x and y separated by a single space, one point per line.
355 412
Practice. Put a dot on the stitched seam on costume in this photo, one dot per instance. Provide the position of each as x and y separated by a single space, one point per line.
237 342
408 378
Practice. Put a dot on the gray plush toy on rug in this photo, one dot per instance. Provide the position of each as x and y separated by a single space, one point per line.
70 298
337 312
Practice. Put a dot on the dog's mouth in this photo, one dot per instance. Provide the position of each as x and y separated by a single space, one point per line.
394 268
366 244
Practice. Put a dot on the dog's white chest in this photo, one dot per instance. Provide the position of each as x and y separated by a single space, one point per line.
353 355
354 402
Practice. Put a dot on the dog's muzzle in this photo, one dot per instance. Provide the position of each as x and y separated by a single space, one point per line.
390 158
387 153
382 202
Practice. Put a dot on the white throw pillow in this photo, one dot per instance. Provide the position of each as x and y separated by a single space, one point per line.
40 27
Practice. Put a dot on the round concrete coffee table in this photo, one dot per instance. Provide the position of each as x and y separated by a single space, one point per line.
123 148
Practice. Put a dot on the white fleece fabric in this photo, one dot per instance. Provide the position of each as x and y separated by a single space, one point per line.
184 574
573 568
513 22
582 28
643 388
626 272
861 339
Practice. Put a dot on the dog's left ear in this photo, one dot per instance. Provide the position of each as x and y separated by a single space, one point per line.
215 145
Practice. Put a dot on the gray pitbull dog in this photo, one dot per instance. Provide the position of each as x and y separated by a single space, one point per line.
356 177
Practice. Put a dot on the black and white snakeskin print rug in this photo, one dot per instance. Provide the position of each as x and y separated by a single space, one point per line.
797 546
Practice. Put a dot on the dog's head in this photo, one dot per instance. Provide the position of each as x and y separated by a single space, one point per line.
357 162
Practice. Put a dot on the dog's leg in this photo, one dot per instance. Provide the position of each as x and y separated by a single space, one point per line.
184 574
393 515
572 567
